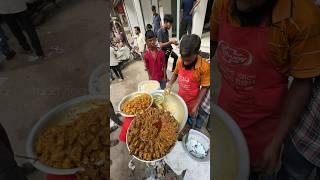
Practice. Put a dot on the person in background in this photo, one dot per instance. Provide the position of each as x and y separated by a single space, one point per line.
156 20
188 7
123 53
154 60
4 46
301 153
140 40
259 44
14 13
114 64
193 74
165 42
149 28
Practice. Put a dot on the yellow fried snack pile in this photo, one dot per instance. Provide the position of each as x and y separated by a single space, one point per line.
136 105
152 134
83 141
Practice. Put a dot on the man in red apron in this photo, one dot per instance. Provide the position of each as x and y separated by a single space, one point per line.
193 74
256 49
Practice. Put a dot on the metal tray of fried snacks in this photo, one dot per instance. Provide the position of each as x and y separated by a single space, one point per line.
60 115
176 106
131 97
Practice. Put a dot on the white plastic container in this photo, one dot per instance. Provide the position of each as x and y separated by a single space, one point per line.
148 86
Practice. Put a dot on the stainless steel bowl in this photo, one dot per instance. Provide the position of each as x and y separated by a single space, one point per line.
98 80
230 151
200 138
129 97
60 115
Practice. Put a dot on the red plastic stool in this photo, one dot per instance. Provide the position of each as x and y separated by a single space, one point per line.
61 177
125 127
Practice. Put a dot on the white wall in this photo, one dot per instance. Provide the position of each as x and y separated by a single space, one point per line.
131 14
198 18
138 8
155 3
147 12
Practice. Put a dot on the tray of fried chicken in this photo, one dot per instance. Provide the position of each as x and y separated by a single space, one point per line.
152 135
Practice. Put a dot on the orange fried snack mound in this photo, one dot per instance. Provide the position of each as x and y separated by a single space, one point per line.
152 134
81 142
136 105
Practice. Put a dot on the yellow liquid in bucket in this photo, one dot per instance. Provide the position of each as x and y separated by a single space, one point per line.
174 106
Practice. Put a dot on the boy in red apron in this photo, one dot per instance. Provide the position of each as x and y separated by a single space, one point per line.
193 74
258 43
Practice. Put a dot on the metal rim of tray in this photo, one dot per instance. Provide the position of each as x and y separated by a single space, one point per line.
100 70
244 167
36 128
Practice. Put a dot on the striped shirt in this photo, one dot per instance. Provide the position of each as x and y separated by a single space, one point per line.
306 136
206 103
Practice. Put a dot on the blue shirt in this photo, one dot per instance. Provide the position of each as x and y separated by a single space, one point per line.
187 5
156 23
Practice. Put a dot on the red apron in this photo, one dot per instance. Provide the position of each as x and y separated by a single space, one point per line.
252 90
189 87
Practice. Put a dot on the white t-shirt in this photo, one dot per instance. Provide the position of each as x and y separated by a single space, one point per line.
123 53
12 6
113 60
140 42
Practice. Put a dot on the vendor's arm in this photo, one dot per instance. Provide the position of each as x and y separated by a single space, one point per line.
303 65
172 80
296 100
200 98
205 85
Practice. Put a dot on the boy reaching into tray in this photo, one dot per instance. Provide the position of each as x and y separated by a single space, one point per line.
154 60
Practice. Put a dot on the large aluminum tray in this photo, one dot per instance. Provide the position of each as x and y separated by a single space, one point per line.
60 115
180 112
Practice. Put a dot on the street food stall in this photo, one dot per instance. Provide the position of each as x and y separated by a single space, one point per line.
72 140
153 121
